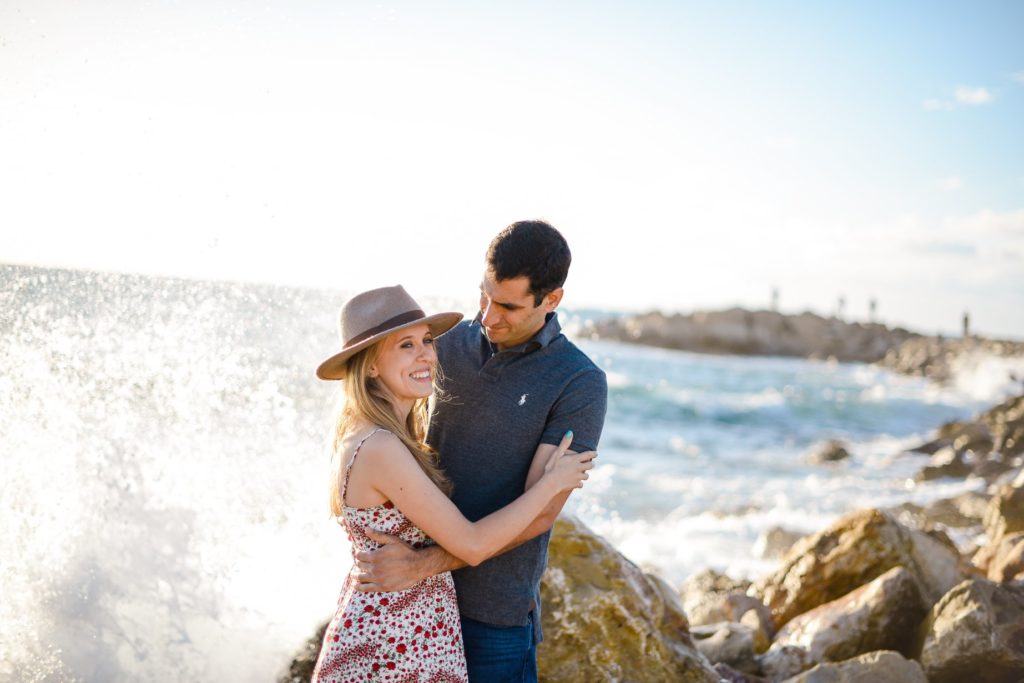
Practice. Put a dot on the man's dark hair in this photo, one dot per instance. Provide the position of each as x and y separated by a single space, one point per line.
534 249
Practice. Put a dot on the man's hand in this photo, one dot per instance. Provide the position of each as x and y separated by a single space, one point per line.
394 566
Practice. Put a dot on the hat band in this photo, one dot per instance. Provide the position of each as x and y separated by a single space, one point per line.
407 317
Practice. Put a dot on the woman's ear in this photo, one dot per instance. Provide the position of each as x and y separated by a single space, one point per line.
373 372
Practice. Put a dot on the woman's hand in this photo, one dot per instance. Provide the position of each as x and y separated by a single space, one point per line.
568 470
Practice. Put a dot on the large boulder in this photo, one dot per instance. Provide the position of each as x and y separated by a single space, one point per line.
855 550
874 667
606 620
882 615
976 633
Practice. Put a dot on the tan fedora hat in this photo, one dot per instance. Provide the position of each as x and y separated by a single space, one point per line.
373 315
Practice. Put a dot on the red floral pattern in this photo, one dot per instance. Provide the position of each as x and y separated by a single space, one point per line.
410 636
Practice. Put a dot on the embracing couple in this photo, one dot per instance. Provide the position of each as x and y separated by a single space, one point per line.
449 511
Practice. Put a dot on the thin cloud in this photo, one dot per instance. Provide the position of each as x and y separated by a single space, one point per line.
1018 76
963 95
972 96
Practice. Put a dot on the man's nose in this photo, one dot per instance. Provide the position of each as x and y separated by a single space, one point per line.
485 312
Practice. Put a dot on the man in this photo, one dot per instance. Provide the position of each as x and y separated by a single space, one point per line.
512 386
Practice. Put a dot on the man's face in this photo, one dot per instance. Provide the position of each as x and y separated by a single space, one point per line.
507 310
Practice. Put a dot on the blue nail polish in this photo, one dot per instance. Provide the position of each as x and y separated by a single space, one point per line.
568 433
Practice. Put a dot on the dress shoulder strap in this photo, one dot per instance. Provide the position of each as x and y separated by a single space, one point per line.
351 461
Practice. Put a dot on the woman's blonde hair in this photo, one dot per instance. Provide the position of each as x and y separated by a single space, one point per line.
365 398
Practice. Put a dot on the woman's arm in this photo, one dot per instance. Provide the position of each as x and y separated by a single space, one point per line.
396 475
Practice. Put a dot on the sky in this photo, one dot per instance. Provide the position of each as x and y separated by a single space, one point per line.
696 155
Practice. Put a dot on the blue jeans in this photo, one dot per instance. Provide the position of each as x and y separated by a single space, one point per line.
499 654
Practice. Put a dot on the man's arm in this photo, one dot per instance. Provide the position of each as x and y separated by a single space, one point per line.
397 566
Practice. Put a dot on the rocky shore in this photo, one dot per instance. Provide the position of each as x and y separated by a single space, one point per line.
904 595
940 359
758 333
806 335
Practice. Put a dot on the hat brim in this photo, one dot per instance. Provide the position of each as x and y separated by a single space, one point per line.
336 366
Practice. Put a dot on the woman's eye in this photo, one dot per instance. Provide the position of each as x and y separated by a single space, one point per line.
428 341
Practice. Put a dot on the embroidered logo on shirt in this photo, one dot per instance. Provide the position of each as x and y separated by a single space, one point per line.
522 399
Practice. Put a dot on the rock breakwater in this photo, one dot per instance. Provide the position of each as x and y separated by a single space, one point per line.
761 333
806 335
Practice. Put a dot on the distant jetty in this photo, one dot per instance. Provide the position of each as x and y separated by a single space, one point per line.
805 335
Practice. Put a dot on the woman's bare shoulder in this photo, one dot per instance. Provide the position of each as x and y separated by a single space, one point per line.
384 445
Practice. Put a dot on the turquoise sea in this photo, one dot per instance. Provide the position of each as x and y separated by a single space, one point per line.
164 467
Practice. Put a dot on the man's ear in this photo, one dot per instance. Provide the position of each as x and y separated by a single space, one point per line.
553 298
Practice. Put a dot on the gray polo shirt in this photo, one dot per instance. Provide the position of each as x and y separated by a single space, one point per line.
500 406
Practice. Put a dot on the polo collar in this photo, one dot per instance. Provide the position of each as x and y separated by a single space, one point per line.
547 334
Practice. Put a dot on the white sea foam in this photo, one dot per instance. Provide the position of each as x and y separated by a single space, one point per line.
985 376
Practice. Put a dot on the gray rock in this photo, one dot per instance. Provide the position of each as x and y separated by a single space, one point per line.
931 447
301 668
1003 560
829 451
874 667
710 597
935 357
727 674
856 549
946 462
882 615
991 470
976 633
730 643
773 544
972 505
1005 512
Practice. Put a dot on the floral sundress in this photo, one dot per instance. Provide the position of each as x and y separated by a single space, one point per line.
409 636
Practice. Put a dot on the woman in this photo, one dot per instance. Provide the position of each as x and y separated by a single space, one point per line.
385 477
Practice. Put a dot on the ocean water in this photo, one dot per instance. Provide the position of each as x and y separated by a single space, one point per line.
163 449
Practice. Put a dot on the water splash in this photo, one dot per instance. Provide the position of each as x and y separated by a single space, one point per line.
163 458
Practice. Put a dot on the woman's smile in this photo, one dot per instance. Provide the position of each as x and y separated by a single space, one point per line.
422 375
